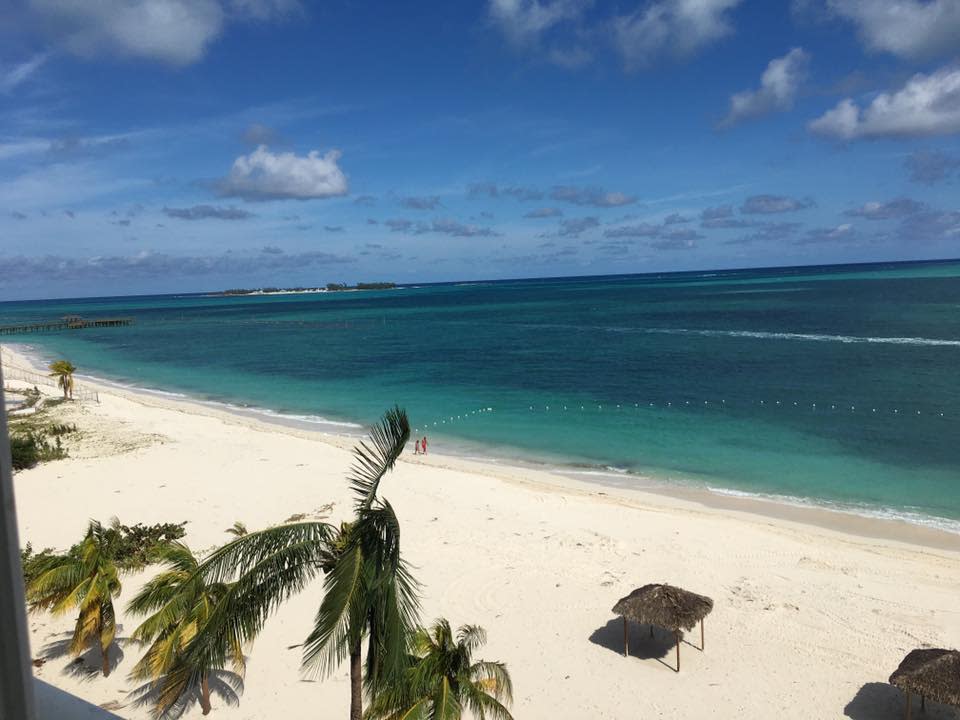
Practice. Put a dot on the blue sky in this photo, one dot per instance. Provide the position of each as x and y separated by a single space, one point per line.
189 145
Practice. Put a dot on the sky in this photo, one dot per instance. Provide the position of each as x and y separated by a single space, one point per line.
152 146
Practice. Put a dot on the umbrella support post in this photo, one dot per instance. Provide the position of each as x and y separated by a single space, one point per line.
626 638
923 703
909 694
702 644
651 631
678 651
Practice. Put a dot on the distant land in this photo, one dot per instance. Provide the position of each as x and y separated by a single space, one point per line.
330 287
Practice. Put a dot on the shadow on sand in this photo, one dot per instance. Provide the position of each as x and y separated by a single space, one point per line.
879 701
642 646
88 666
225 685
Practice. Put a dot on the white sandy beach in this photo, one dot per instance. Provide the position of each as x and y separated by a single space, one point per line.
809 621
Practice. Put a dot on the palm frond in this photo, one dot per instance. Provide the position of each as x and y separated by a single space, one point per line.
373 459
330 640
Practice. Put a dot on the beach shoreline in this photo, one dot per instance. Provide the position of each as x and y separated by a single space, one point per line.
535 558
645 489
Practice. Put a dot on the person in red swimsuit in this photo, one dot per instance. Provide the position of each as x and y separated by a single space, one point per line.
423 445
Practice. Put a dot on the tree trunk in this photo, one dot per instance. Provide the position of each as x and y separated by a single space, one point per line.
104 653
205 694
356 683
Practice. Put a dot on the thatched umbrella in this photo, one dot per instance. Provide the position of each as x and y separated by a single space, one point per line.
930 673
665 606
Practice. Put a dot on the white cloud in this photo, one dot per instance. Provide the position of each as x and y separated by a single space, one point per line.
11 78
177 32
675 28
907 28
926 105
172 31
524 20
263 175
778 88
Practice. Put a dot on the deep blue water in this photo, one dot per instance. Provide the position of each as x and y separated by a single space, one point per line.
839 385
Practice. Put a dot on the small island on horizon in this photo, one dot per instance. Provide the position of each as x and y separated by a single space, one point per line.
329 287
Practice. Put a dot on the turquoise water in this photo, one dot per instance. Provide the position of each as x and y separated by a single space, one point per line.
837 385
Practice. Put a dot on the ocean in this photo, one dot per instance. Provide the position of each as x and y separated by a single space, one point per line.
836 386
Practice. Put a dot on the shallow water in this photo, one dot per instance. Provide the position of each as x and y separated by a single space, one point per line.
837 385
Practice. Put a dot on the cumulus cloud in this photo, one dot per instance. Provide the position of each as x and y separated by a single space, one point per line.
916 29
593 197
931 226
451 228
676 219
545 212
672 28
207 212
840 234
685 239
431 202
778 89
523 21
896 208
172 31
925 105
769 204
769 232
489 189
930 167
716 213
177 32
643 230
577 226
264 175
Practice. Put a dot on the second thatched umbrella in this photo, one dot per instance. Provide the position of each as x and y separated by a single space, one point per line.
665 606
930 673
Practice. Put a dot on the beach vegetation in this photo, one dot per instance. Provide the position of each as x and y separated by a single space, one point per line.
370 596
180 602
444 680
238 529
86 579
63 371
32 447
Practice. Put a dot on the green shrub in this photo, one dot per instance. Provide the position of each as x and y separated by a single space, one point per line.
24 452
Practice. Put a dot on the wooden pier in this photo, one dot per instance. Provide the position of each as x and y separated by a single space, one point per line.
71 322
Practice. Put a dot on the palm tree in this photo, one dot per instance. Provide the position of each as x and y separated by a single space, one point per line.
181 603
369 593
238 529
84 578
444 679
63 370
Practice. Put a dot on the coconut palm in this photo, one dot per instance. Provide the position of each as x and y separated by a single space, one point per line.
369 594
84 578
63 370
238 529
443 680
181 602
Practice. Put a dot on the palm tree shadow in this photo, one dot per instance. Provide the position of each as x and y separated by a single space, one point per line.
875 701
224 684
642 646
89 664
